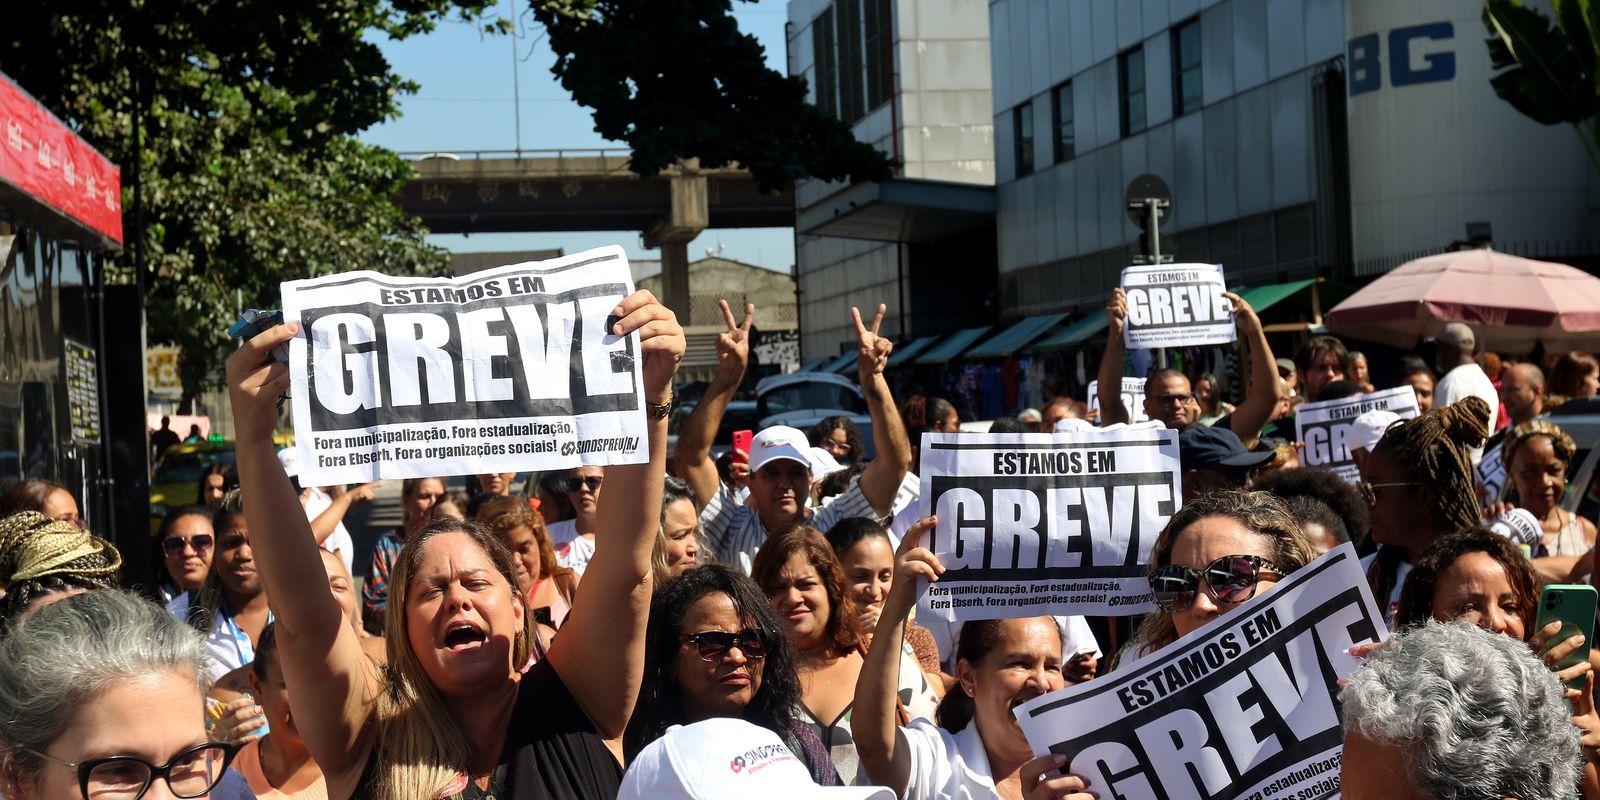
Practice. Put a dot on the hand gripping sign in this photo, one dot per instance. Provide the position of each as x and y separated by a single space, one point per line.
1176 305
1325 426
1245 707
504 370
1037 523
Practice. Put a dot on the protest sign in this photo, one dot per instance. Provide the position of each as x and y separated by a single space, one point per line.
1132 397
1046 523
1176 305
1325 426
1491 472
1245 707
504 370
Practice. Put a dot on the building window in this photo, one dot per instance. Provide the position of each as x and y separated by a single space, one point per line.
1065 124
1130 83
1186 94
1022 122
880 52
853 46
822 41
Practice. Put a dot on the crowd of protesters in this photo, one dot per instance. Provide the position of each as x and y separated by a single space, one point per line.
610 631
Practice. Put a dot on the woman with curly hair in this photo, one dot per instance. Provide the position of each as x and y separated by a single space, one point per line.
1537 454
43 560
547 587
840 437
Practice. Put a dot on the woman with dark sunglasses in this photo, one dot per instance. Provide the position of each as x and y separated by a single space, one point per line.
574 538
183 551
716 649
102 693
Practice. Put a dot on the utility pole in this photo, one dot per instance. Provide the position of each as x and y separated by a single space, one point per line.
1147 201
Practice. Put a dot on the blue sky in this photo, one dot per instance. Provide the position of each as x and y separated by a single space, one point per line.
466 103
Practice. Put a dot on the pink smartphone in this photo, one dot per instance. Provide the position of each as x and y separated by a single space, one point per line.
741 442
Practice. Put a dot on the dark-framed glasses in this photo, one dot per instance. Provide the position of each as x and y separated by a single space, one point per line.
191 773
712 646
1369 491
1230 579
201 542
576 484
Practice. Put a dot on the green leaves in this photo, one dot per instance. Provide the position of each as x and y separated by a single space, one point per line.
1547 68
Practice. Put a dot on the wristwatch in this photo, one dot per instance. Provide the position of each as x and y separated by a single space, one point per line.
659 410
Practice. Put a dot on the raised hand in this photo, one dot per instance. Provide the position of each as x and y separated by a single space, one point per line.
872 353
661 342
256 380
1116 312
1243 315
733 345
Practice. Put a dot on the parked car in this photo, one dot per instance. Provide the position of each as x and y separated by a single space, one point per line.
175 482
802 399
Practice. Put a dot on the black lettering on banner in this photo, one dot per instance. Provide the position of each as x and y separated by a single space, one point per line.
492 358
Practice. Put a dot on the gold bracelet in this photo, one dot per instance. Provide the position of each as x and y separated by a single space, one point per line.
657 411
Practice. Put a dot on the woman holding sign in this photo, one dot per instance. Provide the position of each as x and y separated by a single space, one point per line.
977 749
454 713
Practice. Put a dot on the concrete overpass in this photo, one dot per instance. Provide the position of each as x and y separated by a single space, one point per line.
544 191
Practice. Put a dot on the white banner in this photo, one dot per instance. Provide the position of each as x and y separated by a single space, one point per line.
1039 523
1325 425
1176 305
1245 707
1491 472
504 370
1132 397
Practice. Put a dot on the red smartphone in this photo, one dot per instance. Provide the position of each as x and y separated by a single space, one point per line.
741 442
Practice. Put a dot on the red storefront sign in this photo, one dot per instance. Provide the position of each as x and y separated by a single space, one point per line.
44 159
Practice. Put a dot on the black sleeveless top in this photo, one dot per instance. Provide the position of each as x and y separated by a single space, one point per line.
552 750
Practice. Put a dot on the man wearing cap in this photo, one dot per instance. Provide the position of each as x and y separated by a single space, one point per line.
780 463
1463 378
1213 459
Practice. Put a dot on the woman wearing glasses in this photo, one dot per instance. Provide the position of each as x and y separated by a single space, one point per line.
716 649
230 608
102 693
184 543
840 437
574 538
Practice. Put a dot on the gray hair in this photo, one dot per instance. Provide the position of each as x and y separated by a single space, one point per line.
1473 714
68 653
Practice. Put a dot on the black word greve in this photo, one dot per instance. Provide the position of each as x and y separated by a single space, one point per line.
1255 716
1178 305
499 358
1043 527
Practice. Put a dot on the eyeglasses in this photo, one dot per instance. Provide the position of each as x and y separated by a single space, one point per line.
1369 491
191 773
1173 399
839 447
714 645
575 485
1230 579
201 542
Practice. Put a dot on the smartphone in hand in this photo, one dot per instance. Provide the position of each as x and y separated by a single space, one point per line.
1572 604
741 442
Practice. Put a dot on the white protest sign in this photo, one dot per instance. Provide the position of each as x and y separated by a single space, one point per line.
1132 397
1176 305
1245 707
504 370
1491 471
1046 523
1325 425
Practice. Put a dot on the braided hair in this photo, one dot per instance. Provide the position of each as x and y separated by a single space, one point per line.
40 556
1436 449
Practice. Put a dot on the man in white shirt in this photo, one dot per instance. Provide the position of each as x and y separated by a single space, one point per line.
1463 377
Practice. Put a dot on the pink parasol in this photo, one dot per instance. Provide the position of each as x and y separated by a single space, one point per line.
1510 301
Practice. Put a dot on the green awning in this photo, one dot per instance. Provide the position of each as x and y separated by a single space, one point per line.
1075 333
844 360
1263 297
1014 338
953 346
903 354
811 366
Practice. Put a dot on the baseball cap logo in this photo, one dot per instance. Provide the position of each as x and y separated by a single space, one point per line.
737 765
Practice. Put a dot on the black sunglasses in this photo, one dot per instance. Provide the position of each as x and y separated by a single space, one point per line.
575 485
201 542
1230 579
191 773
713 645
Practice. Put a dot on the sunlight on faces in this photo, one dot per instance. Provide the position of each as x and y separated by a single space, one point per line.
423 495
725 688
801 602
1203 542
462 616
1540 476
1476 589
780 487
525 547
678 524
1323 370
869 571
1172 413
188 566
234 561
585 500
272 694
1024 664
496 482
153 717
1422 384
341 585
213 492
60 504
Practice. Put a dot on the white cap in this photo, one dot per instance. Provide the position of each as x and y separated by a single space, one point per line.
822 463
1368 428
779 441
725 757
1520 526
1074 425
289 457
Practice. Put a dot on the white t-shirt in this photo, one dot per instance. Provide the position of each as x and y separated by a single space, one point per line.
575 554
1076 637
318 501
1468 380
562 532
228 645
944 764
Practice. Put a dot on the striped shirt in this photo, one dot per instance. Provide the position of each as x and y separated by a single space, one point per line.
735 532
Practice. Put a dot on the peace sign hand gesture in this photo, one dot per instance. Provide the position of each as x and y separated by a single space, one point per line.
873 350
733 347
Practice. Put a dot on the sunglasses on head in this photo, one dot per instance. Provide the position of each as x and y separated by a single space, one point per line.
713 645
201 542
576 485
1230 579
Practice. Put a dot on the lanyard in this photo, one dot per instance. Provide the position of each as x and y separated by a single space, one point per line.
241 640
